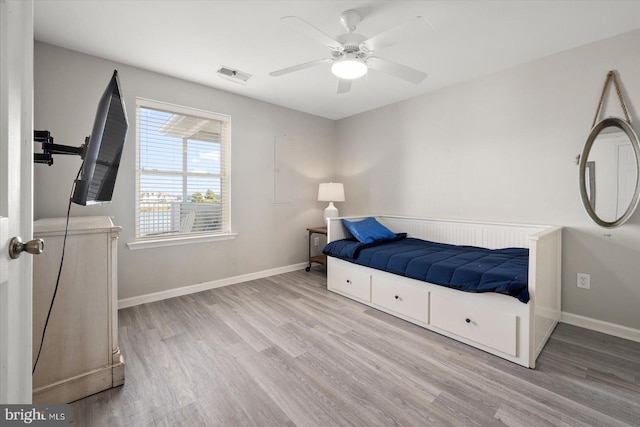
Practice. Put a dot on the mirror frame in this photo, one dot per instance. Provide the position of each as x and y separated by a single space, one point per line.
628 130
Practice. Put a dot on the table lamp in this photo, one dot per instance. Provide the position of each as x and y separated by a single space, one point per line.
331 192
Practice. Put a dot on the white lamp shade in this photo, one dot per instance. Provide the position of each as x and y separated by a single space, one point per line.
331 192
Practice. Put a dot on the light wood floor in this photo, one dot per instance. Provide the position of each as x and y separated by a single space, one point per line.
284 351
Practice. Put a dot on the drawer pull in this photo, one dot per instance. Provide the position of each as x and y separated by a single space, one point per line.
467 320
397 297
348 281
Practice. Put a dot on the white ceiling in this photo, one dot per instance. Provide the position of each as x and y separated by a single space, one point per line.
192 39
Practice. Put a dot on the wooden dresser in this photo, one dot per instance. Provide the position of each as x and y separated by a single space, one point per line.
80 355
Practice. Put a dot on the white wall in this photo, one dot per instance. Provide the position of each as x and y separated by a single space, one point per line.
67 88
503 148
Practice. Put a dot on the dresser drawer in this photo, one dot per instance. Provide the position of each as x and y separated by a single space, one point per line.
400 297
480 324
349 279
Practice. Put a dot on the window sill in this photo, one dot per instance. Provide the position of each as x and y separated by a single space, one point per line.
176 241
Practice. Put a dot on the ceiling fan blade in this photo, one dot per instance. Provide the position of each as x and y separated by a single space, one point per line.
344 86
299 67
313 33
398 70
412 29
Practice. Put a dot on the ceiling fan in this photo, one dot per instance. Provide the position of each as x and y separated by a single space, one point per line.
352 53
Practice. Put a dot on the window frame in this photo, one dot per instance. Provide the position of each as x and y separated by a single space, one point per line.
225 164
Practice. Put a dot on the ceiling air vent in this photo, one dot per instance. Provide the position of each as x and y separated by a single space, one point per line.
234 75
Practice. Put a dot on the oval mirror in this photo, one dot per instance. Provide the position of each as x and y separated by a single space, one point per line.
609 172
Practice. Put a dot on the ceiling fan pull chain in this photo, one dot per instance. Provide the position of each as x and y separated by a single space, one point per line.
611 75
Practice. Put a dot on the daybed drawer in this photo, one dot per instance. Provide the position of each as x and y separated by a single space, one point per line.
349 279
401 298
483 325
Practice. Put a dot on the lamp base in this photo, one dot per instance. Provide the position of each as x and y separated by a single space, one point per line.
330 212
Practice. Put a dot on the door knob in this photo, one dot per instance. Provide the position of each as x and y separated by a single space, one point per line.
16 247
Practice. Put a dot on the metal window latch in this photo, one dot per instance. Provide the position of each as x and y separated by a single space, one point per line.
16 247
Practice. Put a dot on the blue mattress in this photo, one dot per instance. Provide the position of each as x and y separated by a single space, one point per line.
466 268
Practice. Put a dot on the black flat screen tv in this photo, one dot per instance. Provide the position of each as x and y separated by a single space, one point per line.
103 149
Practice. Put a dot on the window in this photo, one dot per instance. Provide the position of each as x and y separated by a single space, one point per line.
182 171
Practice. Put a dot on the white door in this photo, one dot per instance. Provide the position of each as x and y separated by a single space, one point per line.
16 195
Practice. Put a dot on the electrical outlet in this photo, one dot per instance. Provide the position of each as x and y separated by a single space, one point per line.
584 281
316 241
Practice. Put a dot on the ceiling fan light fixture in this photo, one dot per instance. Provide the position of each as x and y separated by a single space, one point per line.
349 68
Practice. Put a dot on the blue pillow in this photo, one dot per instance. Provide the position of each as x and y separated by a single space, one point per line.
368 230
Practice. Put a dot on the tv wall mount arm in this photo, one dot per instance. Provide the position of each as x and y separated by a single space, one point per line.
49 148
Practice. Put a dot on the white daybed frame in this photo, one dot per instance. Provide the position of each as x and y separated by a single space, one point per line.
496 323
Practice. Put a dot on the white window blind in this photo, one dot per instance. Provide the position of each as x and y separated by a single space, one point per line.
182 173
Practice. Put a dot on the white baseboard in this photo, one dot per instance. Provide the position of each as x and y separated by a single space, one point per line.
191 289
600 326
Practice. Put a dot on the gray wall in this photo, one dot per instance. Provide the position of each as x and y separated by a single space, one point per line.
499 148
503 148
67 88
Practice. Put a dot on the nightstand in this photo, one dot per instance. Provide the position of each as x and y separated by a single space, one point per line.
320 259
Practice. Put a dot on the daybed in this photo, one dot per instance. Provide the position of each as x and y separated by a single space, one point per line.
501 324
